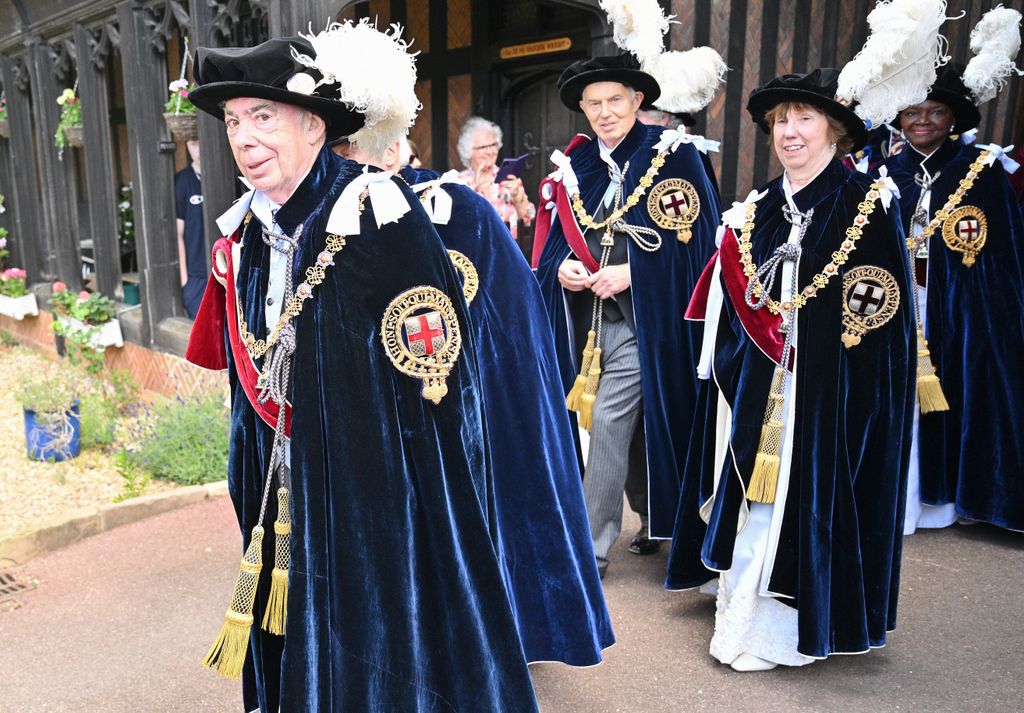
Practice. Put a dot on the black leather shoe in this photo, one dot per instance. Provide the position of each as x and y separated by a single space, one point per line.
641 544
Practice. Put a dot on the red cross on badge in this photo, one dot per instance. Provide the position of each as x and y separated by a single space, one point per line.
968 229
425 333
866 298
674 203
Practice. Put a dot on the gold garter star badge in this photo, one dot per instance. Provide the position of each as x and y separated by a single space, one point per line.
467 270
673 204
965 231
870 299
421 336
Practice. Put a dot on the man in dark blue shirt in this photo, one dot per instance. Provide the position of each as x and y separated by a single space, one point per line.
188 208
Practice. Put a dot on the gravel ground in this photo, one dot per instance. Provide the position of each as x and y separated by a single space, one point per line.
31 491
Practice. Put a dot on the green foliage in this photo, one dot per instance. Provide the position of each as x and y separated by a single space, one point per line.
70 115
178 102
51 394
87 307
7 340
186 441
135 479
97 420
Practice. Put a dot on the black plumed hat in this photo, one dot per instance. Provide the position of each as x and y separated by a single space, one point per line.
269 71
623 68
949 88
817 88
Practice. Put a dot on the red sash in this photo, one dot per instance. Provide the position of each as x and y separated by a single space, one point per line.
563 206
763 327
697 310
206 342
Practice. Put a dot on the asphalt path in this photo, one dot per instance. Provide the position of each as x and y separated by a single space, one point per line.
119 622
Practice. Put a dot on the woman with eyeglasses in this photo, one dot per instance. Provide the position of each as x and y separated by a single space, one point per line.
478 146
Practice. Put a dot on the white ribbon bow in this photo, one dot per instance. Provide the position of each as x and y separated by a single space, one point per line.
736 216
969 137
233 216
888 189
386 198
995 151
565 174
671 139
438 203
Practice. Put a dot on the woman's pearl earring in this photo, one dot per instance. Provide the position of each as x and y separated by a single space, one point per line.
833 146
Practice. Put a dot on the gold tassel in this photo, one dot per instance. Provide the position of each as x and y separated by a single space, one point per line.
276 614
929 390
590 391
572 401
765 477
227 655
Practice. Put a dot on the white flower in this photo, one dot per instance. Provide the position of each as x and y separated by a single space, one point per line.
301 83
177 85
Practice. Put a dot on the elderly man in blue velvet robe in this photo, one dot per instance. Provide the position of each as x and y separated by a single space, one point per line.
630 222
355 396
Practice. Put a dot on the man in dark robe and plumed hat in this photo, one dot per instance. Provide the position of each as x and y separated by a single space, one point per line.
628 221
356 427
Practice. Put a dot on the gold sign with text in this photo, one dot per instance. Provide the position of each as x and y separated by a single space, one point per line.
559 44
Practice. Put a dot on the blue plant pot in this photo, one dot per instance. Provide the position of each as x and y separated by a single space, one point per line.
53 442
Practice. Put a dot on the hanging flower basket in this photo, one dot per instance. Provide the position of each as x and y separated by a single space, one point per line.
184 127
107 334
19 307
75 136
5 128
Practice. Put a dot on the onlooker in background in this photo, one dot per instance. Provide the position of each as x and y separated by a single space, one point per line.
411 154
188 208
479 145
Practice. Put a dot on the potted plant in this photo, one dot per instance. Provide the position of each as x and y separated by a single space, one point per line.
15 299
5 127
180 113
88 323
52 430
69 128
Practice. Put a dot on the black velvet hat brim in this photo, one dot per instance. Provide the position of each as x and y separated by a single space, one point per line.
339 118
965 114
571 93
764 100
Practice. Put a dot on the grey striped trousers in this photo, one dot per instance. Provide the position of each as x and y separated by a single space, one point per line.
617 412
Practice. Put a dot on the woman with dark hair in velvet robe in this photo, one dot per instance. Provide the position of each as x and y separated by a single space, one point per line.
968 459
793 488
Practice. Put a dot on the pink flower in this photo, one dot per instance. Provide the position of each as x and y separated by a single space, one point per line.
15 272
184 94
3 242
83 296
59 286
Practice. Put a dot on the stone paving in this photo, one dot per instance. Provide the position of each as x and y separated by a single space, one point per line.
119 622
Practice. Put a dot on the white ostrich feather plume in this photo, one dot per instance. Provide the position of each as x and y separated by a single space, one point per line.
375 74
896 66
995 41
638 26
688 80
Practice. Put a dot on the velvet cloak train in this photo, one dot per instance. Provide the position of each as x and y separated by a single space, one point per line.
973 454
396 600
543 535
837 560
661 285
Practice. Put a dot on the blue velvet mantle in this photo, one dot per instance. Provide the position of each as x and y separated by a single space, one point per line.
838 558
661 285
396 601
973 454
544 539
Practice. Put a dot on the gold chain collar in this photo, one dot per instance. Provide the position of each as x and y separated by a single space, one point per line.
315 274
966 183
819 281
646 181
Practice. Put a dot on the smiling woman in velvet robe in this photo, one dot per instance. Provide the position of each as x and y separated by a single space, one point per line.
793 485
968 459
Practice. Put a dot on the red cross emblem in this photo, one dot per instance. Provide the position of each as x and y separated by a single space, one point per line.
674 204
425 333
967 229
866 298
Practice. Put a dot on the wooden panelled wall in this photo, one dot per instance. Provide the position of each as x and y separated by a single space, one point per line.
760 39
